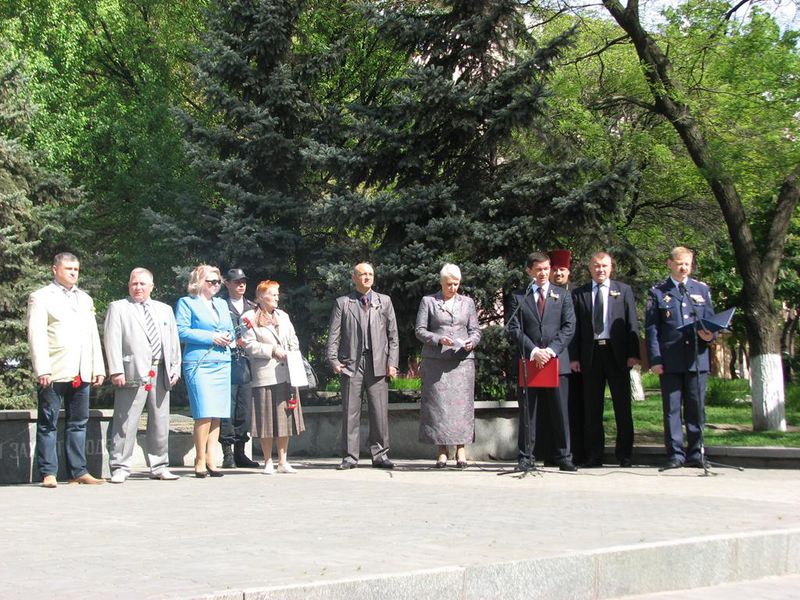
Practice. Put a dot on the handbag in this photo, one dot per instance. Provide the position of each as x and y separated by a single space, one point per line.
241 372
311 375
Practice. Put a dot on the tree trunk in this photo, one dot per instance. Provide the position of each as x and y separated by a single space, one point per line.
758 273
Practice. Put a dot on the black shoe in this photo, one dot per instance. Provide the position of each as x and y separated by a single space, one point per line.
672 463
241 459
346 464
213 473
524 464
244 462
625 463
440 464
461 464
566 465
383 464
227 457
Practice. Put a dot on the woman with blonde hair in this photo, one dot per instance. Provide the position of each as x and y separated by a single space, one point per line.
206 330
447 326
276 409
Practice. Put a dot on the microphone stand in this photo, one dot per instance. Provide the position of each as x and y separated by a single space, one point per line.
528 465
701 401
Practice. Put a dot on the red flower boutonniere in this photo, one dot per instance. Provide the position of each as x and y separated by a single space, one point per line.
291 403
247 323
76 381
149 385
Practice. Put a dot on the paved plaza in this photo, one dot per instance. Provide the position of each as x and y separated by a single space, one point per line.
414 532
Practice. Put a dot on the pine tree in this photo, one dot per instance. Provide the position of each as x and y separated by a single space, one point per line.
438 173
267 77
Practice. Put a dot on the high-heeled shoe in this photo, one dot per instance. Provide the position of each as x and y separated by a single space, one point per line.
213 473
200 474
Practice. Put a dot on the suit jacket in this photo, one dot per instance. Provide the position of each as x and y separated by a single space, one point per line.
553 330
128 348
197 326
345 338
667 310
64 341
259 342
435 321
622 321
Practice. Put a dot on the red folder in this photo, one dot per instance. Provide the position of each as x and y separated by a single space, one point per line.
545 377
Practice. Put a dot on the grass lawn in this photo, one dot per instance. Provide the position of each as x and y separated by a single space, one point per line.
729 420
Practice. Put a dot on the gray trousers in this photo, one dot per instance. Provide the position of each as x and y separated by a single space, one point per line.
128 405
377 389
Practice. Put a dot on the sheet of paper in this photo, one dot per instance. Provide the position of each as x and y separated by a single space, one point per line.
297 372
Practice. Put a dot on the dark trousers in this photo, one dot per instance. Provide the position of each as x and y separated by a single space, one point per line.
237 428
377 389
604 369
681 389
576 417
556 400
76 408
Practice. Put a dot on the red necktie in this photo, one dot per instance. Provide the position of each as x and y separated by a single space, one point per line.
540 302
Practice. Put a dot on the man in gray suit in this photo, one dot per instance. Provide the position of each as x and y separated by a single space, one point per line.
541 329
363 350
144 359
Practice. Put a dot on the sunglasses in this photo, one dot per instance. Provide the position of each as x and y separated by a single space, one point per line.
213 281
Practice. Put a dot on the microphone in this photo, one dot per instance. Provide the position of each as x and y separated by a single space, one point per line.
529 289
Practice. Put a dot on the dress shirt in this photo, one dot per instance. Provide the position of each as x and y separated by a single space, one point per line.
71 294
544 289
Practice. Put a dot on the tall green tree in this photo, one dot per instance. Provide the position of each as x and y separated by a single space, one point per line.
437 172
32 202
758 258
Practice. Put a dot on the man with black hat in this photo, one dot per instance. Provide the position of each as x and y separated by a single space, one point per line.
234 432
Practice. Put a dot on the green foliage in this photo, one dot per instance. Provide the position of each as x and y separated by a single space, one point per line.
31 201
405 383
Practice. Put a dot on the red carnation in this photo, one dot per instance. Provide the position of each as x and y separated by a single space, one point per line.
247 323
76 381
151 374
148 387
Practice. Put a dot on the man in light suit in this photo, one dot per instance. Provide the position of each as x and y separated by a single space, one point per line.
363 350
541 328
604 349
144 362
671 305
67 358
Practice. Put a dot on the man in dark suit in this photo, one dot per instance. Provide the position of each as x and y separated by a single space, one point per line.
541 328
234 432
605 347
671 306
363 350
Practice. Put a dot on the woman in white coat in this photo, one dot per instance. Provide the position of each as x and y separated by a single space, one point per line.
269 335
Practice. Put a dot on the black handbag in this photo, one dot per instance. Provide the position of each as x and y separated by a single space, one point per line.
240 368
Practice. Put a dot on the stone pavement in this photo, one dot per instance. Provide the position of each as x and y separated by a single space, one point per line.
415 533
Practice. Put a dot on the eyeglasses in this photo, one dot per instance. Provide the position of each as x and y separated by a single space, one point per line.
213 281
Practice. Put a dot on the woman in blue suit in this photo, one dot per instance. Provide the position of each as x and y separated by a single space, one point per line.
206 330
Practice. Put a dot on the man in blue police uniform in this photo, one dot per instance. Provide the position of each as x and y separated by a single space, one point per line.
670 348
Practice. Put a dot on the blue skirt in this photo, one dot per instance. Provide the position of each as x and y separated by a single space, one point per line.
209 387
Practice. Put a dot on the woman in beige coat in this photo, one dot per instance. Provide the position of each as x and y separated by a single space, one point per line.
269 335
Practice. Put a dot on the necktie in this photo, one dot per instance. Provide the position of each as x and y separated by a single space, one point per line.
540 301
599 311
364 302
152 332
